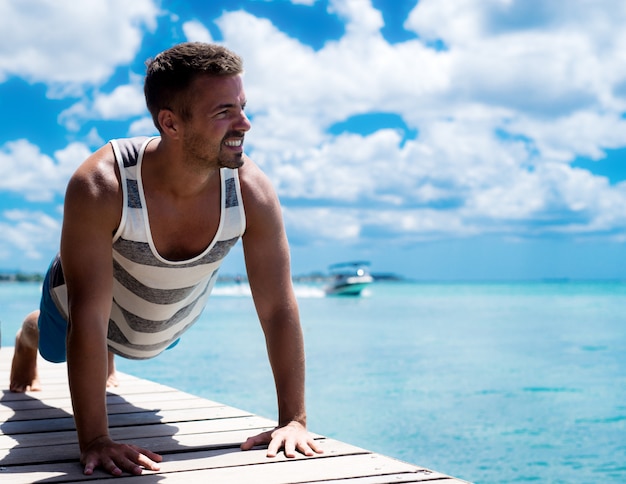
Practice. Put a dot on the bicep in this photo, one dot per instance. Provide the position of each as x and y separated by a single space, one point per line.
90 216
266 252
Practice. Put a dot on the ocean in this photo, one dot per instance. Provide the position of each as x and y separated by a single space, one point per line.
492 383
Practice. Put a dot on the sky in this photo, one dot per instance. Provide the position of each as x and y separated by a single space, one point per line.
437 139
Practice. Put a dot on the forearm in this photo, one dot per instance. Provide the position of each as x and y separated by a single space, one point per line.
286 353
87 371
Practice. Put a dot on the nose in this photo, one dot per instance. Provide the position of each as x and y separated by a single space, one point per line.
243 123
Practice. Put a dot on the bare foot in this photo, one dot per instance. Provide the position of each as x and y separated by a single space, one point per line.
112 380
24 375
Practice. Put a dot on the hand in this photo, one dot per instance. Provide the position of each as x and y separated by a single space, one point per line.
291 437
116 458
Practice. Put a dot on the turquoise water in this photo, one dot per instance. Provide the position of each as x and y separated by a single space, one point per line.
486 382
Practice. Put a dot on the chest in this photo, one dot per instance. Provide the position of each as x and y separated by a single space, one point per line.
182 229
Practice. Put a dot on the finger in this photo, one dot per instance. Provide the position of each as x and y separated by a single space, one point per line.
290 448
131 467
315 446
148 453
252 442
146 458
260 439
135 462
111 468
248 444
88 470
90 463
274 447
108 465
148 463
304 448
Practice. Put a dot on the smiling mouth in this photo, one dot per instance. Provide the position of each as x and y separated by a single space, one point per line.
236 143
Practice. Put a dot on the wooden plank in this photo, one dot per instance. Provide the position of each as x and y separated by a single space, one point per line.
64 421
42 439
198 438
35 410
181 437
340 461
58 390
390 478
12 407
291 471
176 462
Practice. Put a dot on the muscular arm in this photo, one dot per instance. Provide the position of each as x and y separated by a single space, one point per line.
93 207
268 265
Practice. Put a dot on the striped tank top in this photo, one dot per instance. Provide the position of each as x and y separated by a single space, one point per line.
156 300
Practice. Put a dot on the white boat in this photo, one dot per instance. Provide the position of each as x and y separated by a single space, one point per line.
349 278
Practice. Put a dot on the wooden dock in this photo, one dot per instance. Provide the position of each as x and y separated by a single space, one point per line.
199 439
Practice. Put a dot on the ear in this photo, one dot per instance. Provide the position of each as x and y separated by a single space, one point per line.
169 123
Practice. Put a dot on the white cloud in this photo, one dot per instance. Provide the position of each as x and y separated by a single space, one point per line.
516 95
93 138
124 102
583 133
33 235
334 225
196 32
535 56
25 170
362 19
66 44
504 95
143 127
345 169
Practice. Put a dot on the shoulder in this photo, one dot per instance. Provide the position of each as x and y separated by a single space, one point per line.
95 186
255 185
97 176
259 197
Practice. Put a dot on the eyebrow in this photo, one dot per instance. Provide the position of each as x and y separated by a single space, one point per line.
231 105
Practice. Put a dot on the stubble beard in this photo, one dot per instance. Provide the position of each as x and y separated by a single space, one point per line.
200 157
233 161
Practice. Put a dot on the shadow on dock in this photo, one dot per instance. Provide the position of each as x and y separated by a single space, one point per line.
43 436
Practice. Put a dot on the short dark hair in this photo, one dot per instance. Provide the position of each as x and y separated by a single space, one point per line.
170 73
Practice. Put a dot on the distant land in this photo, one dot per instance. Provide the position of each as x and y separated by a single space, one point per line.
20 277
322 277
16 276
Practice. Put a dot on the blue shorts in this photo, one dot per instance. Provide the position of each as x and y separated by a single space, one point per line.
52 326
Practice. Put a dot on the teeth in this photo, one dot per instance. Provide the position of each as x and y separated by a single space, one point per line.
234 143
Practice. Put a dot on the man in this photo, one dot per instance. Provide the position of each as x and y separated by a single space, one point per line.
147 222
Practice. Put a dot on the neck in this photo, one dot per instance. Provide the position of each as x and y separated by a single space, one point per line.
167 170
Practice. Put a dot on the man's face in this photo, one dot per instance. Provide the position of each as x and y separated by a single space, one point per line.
214 135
